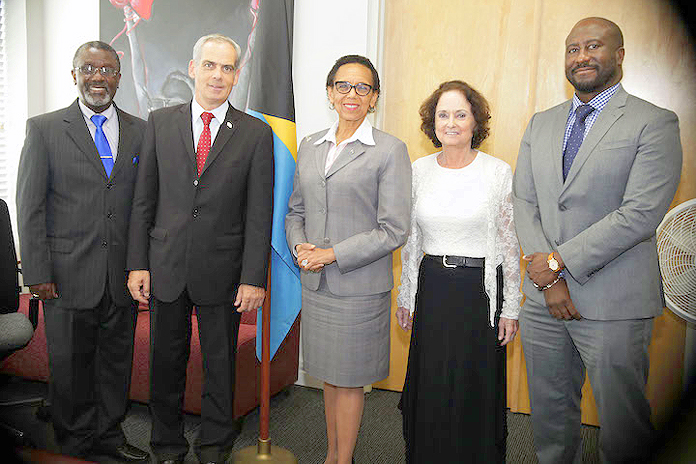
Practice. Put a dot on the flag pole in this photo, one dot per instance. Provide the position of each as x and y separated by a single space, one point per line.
264 451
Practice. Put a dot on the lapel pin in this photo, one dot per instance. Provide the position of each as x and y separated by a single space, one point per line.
229 124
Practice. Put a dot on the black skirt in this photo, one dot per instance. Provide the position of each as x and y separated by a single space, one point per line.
454 397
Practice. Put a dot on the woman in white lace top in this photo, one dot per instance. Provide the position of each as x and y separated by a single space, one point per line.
459 287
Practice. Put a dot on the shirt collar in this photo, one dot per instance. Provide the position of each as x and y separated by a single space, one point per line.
220 112
364 134
599 101
87 112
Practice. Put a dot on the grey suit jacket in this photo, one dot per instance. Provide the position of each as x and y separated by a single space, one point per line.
602 220
73 220
361 208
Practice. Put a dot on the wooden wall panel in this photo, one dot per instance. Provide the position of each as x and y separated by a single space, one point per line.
512 51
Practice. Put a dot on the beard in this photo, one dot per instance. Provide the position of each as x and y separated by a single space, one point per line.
603 76
96 99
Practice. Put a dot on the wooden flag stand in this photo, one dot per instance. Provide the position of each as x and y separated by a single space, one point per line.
264 451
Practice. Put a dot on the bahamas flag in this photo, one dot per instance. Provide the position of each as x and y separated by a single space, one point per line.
271 100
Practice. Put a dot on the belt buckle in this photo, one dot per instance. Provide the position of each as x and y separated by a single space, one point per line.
444 263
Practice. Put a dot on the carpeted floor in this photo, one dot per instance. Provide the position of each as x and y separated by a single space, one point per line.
297 424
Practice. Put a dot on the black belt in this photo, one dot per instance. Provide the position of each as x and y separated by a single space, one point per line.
452 261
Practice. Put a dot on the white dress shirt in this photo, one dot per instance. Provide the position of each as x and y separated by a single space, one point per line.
219 114
110 126
364 134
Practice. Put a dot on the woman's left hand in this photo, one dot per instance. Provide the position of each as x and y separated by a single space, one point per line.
316 258
507 328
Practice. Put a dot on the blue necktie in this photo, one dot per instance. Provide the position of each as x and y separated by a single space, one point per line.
102 144
576 136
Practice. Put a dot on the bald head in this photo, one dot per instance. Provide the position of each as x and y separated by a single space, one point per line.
611 29
594 56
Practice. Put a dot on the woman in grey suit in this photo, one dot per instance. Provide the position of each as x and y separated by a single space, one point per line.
349 210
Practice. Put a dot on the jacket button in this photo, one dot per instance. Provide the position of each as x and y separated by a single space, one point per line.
562 207
323 183
109 185
195 212
326 240
322 211
558 242
195 183
109 215
104 244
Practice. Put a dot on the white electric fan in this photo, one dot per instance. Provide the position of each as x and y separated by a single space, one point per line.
676 248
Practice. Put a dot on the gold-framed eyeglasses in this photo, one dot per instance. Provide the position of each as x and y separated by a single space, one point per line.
90 70
361 88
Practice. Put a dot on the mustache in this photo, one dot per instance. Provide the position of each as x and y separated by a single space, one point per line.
584 65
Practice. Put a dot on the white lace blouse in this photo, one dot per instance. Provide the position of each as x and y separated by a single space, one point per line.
464 212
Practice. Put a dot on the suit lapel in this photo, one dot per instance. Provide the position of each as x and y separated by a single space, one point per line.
611 112
558 132
228 127
186 131
77 130
320 153
348 154
125 125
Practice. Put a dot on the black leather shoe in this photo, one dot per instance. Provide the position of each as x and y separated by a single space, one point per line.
170 461
124 452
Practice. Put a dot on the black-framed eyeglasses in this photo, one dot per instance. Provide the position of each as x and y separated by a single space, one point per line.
361 88
90 70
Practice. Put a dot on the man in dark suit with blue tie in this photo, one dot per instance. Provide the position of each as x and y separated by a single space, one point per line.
74 193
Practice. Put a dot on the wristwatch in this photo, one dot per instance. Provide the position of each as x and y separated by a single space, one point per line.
553 263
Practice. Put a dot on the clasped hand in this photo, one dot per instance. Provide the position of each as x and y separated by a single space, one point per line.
313 259
538 268
557 296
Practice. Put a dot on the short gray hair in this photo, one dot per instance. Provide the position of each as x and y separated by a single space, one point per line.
197 49
99 45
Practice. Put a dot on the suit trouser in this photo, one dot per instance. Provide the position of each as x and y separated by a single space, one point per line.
90 354
170 340
615 354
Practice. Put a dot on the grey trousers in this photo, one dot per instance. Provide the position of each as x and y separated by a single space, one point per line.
615 356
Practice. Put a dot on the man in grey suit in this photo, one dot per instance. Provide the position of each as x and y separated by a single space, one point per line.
595 175
200 236
73 210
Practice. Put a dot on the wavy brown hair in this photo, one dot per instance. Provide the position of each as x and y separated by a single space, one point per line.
479 106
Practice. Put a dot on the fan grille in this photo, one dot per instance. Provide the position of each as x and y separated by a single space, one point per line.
676 248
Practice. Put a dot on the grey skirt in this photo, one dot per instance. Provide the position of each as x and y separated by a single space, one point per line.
345 339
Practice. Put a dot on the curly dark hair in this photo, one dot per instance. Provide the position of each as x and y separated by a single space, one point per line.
479 106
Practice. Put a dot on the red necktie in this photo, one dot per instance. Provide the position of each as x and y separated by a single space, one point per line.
203 142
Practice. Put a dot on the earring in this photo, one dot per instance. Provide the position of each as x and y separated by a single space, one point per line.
331 106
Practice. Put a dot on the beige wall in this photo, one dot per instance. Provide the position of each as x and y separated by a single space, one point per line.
512 51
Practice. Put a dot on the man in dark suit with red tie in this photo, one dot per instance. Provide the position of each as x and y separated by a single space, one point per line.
200 236
74 190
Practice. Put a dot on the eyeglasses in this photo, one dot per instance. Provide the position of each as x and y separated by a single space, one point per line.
360 88
89 70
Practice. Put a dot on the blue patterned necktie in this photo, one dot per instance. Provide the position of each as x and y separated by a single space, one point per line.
576 136
102 144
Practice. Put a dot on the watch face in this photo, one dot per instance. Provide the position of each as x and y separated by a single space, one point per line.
553 264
